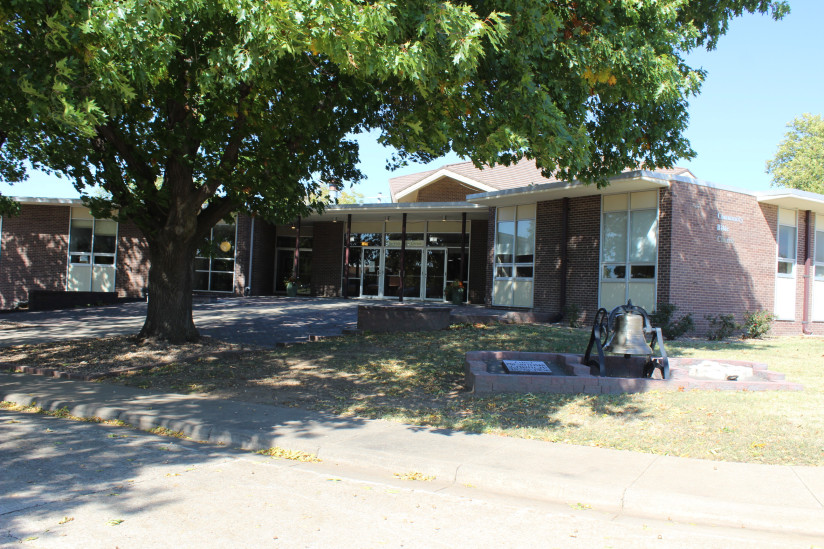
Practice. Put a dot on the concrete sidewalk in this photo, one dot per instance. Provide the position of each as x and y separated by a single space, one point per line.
774 498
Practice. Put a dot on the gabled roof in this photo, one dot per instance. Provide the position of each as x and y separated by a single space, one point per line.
496 178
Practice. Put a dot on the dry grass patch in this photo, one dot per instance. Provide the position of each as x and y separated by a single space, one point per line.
417 378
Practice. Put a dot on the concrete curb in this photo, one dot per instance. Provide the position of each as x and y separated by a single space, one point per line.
761 497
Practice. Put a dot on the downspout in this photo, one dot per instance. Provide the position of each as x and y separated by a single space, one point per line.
248 290
562 290
805 323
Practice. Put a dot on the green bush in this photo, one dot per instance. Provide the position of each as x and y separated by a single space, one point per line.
721 327
757 324
572 314
664 317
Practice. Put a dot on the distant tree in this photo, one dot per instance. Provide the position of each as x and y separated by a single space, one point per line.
799 160
188 110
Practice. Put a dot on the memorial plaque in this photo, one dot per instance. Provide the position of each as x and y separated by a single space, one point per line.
526 367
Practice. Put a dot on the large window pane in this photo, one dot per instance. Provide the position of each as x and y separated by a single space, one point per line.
104 244
614 244
505 242
819 246
81 235
786 242
642 294
613 294
643 236
525 243
522 293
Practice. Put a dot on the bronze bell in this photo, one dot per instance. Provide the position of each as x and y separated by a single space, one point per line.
628 336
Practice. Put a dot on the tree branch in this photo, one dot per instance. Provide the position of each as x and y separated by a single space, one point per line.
214 212
145 175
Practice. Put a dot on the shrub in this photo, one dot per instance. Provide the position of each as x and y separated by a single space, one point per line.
664 318
758 323
721 327
572 313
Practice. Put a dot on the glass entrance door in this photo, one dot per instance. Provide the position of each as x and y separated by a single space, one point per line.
412 274
371 272
435 267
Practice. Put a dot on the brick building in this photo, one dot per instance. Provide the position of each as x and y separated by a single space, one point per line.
512 237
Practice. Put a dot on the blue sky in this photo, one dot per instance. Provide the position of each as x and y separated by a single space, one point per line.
763 74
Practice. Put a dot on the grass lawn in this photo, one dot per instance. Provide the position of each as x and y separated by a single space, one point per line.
417 378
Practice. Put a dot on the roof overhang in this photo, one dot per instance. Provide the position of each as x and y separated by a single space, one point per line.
39 200
640 180
793 199
440 174
415 211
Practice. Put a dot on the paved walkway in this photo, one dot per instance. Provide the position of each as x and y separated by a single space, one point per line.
774 498
264 321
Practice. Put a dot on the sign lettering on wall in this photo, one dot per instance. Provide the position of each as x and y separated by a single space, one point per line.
722 227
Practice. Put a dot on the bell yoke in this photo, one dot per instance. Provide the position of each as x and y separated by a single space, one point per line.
624 331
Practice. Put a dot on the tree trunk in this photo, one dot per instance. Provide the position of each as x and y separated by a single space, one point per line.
171 274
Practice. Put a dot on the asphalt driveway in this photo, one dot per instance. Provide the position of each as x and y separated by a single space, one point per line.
262 321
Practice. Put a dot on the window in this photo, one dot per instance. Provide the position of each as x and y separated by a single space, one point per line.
432 258
629 249
514 256
787 239
818 270
215 261
92 253
819 248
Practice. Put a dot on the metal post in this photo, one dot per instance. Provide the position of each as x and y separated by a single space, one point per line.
251 258
295 272
403 254
463 255
346 256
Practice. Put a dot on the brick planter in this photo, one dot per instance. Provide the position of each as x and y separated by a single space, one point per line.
402 318
483 374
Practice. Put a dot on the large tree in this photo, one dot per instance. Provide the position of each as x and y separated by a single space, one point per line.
188 110
799 160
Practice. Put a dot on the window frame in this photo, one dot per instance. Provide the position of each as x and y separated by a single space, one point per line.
792 261
209 271
514 265
628 264
91 254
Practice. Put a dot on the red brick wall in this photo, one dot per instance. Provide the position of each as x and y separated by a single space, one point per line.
478 246
132 261
582 255
490 256
445 190
548 274
34 252
711 275
327 259
662 294
583 249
